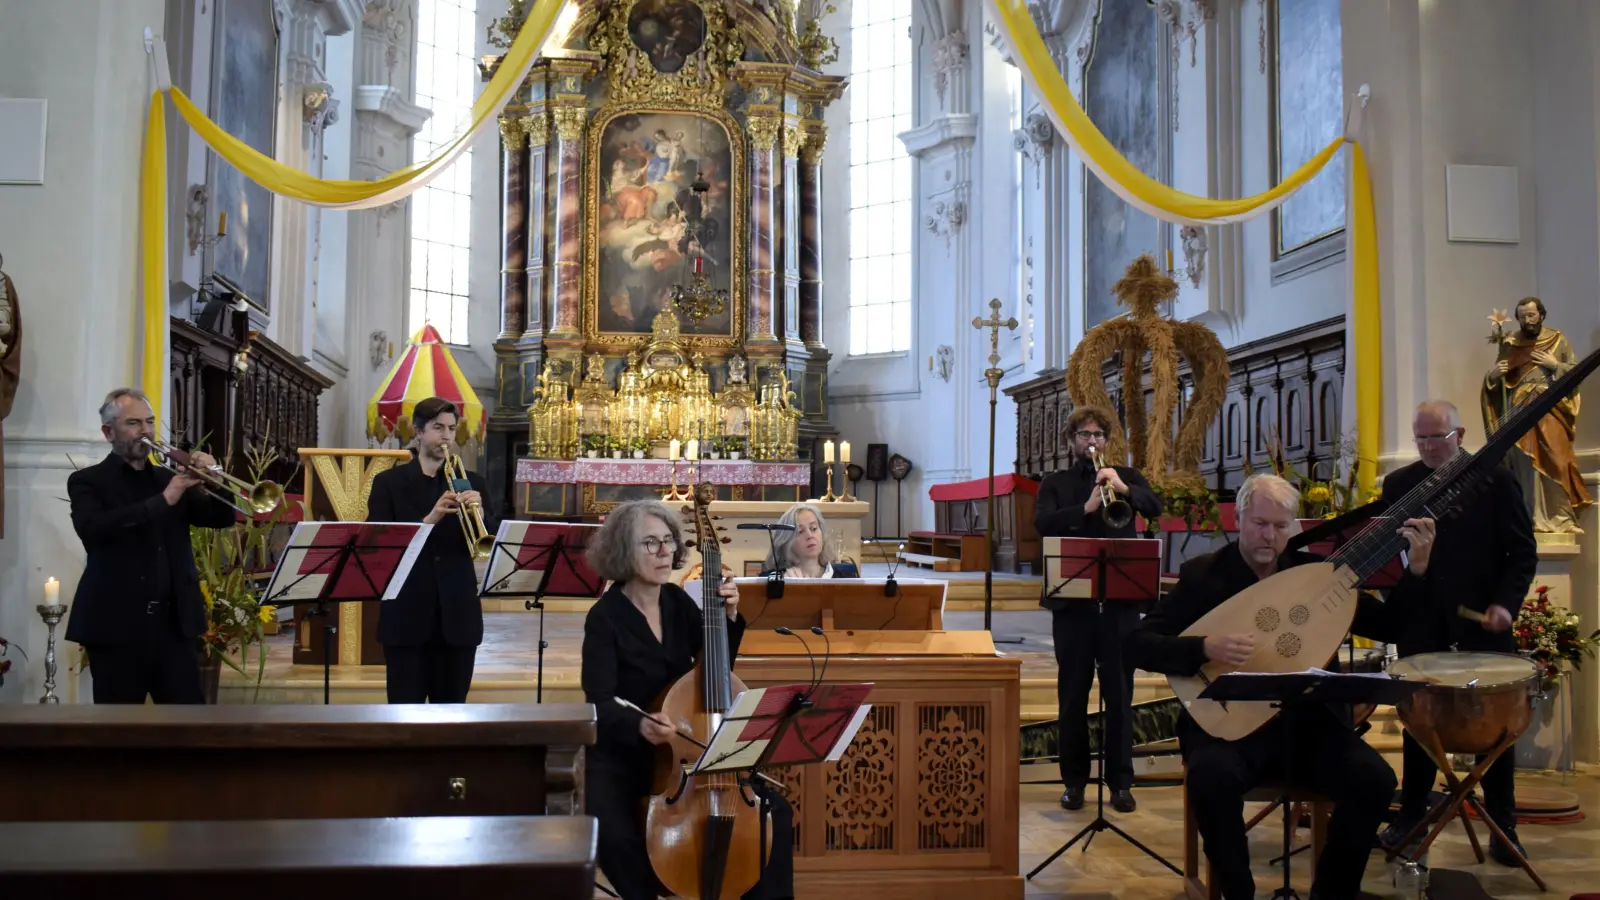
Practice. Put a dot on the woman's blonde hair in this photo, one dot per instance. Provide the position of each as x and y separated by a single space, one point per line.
778 558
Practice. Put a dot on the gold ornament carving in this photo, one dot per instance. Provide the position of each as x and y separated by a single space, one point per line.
952 778
700 84
570 122
793 140
816 140
764 131
859 790
347 484
537 127
512 137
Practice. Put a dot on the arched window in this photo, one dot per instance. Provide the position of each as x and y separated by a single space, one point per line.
880 96
441 213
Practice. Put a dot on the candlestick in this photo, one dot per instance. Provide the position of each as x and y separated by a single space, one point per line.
830 496
844 453
827 457
52 592
51 615
222 225
1169 261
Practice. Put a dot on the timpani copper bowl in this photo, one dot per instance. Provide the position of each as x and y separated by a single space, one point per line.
1474 701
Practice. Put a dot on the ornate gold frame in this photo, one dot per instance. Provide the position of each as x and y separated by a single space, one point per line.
738 287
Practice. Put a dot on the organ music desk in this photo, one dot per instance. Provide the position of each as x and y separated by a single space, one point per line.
924 802
177 763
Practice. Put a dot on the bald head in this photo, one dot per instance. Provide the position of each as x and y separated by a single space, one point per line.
1443 410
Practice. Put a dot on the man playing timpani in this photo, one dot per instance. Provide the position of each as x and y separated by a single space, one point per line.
1485 561
1329 757
1071 504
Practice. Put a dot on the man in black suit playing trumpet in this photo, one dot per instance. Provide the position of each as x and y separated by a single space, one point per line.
1073 502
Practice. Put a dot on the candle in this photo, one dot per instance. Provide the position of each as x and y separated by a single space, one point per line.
52 592
1169 260
672 450
844 453
694 449
827 452
222 225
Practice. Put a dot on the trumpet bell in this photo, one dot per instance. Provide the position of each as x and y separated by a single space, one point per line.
482 547
264 497
1118 514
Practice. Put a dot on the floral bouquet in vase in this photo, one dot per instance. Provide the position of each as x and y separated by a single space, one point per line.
1549 635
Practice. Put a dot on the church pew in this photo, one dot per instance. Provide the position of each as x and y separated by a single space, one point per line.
181 763
550 857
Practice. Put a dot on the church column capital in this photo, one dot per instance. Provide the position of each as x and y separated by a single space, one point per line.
764 130
815 141
512 135
537 128
570 122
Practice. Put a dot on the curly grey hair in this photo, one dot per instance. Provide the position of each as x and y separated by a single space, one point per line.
611 553
778 558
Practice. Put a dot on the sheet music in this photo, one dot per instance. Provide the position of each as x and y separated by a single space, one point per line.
403 571
1316 672
849 733
305 565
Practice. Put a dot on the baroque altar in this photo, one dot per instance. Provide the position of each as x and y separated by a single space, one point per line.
661 170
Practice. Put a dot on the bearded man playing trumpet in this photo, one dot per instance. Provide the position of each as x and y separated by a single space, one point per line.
1090 498
138 609
430 632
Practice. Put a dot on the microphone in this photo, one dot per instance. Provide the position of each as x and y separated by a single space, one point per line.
826 653
890 586
786 632
775 577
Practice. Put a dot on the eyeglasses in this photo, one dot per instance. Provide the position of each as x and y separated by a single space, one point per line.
654 545
1090 435
1434 438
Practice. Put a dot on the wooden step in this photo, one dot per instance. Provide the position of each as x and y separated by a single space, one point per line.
936 563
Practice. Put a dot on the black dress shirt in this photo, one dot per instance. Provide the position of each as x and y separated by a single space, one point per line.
1484 554
1204 583
622 658
1062 494
140 568
442 589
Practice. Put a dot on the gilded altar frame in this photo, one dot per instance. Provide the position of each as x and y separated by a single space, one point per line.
698 88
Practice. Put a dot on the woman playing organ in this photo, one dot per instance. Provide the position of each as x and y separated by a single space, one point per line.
805 551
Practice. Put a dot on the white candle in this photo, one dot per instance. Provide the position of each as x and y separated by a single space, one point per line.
844 453
52 592
827 452
694 449
672 449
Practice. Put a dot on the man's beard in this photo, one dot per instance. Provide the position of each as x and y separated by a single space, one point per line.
1531 332
128 449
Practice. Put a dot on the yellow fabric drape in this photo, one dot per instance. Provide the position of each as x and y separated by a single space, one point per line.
1167 204
290 182
153 252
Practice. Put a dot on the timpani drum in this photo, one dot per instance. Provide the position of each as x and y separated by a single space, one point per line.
1474 702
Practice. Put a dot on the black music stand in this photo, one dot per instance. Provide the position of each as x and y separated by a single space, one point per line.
1122 570
547 560
1293 689
343 562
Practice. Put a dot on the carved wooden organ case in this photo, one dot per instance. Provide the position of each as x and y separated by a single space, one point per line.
600 154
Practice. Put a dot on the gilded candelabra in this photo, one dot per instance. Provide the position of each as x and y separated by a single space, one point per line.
830 496
51 615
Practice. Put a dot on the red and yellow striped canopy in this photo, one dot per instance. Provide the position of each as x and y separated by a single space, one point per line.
425 370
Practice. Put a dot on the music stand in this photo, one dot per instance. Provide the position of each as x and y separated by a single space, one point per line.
343 562
548 558
1298 688
1122 570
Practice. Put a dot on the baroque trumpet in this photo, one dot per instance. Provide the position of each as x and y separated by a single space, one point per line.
251 499
479 540
1115 511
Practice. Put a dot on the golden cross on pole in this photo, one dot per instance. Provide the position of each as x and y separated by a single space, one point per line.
993 374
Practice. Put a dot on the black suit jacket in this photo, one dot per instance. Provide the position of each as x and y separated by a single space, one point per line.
1484 554
622 658
443 585
1204 582
1059 510
123 527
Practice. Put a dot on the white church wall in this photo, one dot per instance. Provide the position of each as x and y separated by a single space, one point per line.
71 247
484 278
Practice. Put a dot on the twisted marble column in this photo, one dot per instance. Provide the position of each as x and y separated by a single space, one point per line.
514 207
810 234
763 141
568 288
537 129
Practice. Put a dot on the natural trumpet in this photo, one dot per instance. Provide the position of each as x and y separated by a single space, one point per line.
250 499
1114 511
479 540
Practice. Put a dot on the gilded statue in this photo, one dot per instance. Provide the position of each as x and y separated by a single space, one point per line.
1528 359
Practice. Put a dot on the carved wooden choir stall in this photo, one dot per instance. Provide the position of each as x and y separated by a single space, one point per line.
662 255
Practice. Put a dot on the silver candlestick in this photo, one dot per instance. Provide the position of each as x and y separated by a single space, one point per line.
52 617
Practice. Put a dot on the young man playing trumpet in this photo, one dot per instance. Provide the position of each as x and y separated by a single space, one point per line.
138 608
431 631
1072 503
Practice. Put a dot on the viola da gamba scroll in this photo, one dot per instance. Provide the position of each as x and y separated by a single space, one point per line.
1299 617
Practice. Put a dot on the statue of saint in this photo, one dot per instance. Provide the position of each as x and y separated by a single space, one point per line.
1543 460
10 364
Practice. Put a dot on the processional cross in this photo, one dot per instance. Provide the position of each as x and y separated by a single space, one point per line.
993 374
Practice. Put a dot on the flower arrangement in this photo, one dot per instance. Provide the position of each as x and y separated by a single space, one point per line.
1549 635
1322 498
1185 496
231 564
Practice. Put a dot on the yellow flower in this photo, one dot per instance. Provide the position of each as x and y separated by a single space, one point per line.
1318 494
265 614
205 594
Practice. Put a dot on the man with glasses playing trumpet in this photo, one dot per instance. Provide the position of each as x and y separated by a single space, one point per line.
1093 499
138 610
430 632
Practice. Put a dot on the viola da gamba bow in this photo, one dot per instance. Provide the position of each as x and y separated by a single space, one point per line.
1300 616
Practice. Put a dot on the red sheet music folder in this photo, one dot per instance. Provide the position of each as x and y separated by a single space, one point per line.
1133 568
